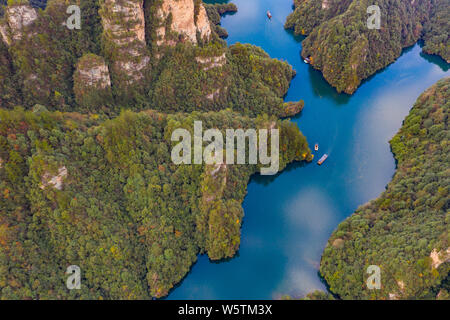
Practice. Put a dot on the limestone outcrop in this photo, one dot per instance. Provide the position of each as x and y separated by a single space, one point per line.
92 83
54 181
212 62
17 17
188 19
438 258
325 4
92 71
124 27
123 21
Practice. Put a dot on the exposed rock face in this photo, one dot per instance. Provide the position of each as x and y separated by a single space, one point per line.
325 4
393 296
17 17
213 95
134 66
212 62
338 243
97 75
187 20
92 71
124 25
4 34
439 258
55 181
123 21
92 83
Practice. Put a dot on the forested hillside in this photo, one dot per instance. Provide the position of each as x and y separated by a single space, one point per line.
215 12
406 231
437 32
86 116
341 45
162 70
108 198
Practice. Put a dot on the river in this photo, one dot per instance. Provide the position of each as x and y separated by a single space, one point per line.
288 218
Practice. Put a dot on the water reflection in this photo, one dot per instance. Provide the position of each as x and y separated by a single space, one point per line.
266 180
311 215
322 89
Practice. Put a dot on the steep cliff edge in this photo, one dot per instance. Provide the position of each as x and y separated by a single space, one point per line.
18 16
92 82
185 18
40 57
43 51
124 34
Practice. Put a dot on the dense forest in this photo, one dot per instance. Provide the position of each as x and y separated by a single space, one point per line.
406 231
108 198
346 51
86 117
215 12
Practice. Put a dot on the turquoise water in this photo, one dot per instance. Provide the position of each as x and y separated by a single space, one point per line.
288 218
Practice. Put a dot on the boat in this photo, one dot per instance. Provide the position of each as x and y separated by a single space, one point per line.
316 147
322 160
307 60
269 15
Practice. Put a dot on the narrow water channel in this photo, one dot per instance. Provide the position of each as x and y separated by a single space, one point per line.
288 218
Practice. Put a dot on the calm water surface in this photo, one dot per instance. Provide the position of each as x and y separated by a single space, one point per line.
288 218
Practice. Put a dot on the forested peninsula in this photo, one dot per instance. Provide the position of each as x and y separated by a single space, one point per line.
86 118
340 45
406 231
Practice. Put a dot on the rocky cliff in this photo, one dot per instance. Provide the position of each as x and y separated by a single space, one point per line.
92 83
37 46
95 74
17 17
124 30
187 18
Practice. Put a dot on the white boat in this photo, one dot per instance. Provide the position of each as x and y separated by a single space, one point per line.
322 160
